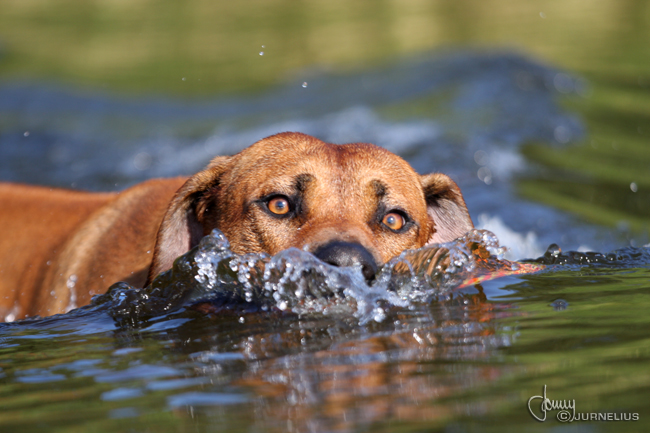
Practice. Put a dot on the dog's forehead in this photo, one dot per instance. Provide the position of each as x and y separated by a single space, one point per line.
293 154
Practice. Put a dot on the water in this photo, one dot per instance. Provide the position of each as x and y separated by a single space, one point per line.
207 347
548 142
480 107
287 343
295 281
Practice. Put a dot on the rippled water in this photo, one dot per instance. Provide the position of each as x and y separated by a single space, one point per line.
296 282
482 108
287 343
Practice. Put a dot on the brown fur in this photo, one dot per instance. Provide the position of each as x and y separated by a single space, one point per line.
58 247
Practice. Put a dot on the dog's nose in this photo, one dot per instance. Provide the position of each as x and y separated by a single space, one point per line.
348 254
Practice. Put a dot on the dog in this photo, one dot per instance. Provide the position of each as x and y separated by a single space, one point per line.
350 205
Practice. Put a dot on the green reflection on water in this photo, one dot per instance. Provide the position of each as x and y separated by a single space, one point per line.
150 45
595 352
202 47
606 178
298 372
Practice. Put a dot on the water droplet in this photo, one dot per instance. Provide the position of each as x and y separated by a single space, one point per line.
261 53
142 161
379 314
562 134
183 78
563 83
542 14
304 84
242 320
559 305
553 250
26 134
485 174
634 187
481 157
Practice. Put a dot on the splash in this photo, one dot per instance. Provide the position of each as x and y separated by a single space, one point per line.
623 257
296 282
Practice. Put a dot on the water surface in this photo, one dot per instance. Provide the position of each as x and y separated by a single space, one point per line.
538 110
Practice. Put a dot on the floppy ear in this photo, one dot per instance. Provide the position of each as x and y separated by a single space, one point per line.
446 208
181 230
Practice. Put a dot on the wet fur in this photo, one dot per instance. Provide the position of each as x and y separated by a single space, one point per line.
57 244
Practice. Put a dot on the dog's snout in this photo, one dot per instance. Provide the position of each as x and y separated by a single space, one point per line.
348 254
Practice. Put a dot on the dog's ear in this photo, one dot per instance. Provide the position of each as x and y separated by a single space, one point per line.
446 208
181 230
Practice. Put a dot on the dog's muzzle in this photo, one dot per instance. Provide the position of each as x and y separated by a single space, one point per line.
344 254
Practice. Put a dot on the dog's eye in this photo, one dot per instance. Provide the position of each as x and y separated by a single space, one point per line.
394 221
278 205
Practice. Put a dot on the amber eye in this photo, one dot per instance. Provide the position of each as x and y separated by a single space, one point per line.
278 205
394 221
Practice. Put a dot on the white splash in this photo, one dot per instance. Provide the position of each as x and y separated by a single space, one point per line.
13 313
297 281
70 284
519 246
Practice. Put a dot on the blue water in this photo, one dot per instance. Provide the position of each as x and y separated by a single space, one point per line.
489 106
468 359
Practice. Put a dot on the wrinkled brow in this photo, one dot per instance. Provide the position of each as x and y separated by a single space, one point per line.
286 185
301 181
380 189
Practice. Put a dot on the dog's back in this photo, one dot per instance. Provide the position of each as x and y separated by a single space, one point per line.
48 234
34 224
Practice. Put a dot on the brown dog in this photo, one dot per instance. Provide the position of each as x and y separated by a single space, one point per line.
353 204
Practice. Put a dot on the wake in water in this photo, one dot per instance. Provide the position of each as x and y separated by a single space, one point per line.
294 281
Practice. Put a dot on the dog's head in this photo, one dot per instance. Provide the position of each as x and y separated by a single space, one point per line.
352 204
